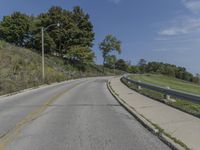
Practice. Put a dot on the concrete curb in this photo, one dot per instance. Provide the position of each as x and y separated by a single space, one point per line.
44 85
147 124
37 87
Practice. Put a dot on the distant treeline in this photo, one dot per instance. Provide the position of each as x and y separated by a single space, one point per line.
168 69
71 40
153 67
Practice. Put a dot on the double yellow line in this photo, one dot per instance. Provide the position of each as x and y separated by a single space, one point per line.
13 133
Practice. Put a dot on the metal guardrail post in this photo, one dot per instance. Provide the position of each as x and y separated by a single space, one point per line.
167 96
139 86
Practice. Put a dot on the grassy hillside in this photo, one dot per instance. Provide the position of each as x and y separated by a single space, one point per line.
164 81
20 68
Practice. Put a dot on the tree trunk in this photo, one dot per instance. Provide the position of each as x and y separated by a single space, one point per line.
103 64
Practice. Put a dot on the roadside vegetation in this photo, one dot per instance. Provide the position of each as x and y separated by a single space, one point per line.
68 48
173 83
166 69
20 68
68 51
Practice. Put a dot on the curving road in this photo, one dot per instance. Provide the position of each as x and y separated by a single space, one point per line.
77 115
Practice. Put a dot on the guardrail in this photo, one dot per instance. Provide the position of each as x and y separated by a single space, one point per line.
168 92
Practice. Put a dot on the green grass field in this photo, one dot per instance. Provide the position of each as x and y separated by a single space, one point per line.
171 82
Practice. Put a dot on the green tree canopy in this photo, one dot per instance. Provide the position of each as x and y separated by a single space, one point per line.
110 43
75 30
84 28
72 40
79 54
122 65
142 65
166 69
142 62
110 61
15 28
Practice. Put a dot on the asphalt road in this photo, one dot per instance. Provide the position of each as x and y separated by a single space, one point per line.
77 115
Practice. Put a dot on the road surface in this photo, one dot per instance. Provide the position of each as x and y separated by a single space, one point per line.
77 115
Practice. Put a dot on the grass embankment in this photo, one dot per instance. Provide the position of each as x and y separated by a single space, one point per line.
173 83
20 68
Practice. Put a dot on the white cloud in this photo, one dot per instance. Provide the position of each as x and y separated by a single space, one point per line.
115 1
185 24
192 5
161 50
173 31
178 50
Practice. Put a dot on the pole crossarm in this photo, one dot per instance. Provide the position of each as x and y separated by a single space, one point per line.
55 24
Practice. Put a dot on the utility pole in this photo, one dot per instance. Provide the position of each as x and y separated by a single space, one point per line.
42 32
114 69
43 75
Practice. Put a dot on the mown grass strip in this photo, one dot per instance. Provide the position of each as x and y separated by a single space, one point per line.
167 81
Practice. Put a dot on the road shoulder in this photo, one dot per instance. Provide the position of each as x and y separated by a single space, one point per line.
177 129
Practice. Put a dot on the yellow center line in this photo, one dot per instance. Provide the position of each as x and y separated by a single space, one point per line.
13 133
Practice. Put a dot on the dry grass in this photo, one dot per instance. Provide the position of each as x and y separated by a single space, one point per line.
20 68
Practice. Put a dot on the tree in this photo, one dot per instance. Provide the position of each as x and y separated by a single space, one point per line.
72 40
49 44
187 76
170 71
15 28
166 69
56 34
80 56
84 30
76 29
134 69
110 43
142 63
122 65
196 79
110 61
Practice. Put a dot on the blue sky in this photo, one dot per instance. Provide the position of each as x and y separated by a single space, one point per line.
158 30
